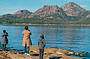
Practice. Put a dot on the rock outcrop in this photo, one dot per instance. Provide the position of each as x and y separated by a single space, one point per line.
34 54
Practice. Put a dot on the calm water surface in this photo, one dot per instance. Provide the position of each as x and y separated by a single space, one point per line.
70 38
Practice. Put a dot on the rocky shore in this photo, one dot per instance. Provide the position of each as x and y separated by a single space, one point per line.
34 54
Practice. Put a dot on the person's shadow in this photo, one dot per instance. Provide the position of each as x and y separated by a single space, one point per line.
54 57
34 54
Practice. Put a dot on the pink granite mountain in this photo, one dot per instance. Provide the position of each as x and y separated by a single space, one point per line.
72 9
49 12
69 11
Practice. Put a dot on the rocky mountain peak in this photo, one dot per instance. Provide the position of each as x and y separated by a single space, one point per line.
72 9
22 13
48 6
48 10
72 3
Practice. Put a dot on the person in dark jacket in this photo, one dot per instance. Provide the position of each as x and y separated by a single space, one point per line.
4 40
41 45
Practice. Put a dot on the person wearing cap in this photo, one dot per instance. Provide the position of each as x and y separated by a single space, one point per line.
4 40
26 40
41 45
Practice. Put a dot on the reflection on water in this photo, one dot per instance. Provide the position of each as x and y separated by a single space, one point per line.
70 38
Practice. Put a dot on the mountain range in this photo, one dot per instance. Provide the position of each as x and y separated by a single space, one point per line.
68 12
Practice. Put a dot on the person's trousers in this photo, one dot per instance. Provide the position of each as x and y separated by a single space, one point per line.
3 46
26 49
41 51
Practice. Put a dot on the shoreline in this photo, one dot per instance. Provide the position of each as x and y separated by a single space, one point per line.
23 24
34 54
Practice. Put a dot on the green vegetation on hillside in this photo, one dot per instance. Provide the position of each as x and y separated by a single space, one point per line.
41 21
31 20
87 21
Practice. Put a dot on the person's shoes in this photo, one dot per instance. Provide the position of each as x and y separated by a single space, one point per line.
28 54
25 53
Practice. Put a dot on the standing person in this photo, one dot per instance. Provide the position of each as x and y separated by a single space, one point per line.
4 40
41 45
26 40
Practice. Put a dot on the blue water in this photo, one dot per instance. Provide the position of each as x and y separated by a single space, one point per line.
76 39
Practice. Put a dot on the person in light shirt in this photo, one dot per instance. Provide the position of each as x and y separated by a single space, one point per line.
26 40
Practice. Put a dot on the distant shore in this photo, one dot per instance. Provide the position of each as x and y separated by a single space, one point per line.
23 24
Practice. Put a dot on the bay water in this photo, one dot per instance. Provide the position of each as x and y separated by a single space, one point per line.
75 39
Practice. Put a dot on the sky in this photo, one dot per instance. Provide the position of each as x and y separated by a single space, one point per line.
11 6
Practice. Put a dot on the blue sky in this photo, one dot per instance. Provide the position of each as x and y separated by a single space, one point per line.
11 6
